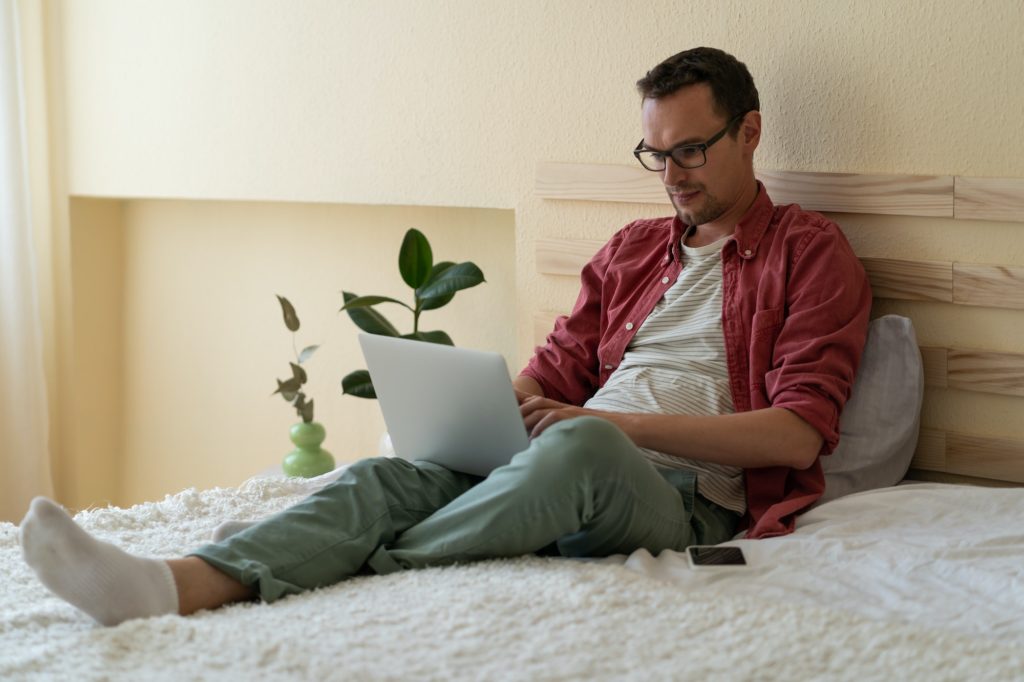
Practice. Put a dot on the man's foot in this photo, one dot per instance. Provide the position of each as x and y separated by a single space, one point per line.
94 576
229 528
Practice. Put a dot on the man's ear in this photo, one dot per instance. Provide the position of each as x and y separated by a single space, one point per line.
750 130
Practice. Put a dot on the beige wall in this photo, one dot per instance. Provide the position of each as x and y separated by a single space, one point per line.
452 103
184 337
95 425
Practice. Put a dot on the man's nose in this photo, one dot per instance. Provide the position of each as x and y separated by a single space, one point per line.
673 175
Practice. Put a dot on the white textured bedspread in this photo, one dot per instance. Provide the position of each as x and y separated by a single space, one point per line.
527 618
943 556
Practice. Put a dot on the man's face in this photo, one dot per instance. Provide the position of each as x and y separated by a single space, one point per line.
715 190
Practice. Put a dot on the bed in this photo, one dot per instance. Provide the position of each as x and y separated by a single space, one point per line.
919 580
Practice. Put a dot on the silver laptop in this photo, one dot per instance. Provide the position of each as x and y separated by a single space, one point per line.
452 406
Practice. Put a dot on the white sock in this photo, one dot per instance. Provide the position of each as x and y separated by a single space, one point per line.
94 576
229 528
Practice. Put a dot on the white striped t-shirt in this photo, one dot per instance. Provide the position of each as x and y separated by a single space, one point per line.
676 364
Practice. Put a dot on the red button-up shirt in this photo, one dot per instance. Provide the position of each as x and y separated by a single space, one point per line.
794 317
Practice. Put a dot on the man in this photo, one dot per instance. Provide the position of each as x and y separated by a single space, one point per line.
691 391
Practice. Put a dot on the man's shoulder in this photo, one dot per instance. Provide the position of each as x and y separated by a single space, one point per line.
645 230
797 228
659 225
793 219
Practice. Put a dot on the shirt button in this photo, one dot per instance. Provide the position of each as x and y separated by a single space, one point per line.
608 367
629 325
664 280
748 253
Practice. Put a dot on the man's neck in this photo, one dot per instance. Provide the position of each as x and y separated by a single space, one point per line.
724 225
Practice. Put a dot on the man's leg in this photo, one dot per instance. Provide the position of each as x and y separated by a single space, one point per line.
328 536
201 586
583 483
317 542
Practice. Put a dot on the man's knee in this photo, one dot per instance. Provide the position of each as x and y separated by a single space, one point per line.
381 469
582 443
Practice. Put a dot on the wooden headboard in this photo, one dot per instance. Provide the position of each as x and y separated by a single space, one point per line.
954 456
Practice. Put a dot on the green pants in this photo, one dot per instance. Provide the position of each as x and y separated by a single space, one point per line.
582 489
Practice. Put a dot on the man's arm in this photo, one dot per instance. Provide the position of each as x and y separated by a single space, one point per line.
526 386
771 436
761 438
566 367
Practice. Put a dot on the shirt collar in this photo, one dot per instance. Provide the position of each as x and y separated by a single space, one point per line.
748 233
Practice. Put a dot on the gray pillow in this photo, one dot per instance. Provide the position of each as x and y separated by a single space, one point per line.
879 425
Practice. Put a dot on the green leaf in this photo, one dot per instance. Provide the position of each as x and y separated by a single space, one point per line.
307 353
437 301
455 278
415 258
365 301
288 389
291 386
358 384
368 319
298 373
291 320
306 412
431 337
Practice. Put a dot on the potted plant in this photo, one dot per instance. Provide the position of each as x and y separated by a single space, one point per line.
434 285
308 459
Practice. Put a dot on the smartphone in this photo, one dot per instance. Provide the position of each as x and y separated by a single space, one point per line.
714 556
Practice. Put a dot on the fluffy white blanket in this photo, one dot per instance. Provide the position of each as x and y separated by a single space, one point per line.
528 618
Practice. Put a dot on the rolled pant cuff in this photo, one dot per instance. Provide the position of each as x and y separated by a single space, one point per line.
252 574
382 563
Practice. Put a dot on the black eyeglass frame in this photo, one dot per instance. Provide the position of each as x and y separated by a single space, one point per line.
671 153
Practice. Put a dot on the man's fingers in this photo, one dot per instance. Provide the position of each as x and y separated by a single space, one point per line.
539 413
532 417
549 418
535 402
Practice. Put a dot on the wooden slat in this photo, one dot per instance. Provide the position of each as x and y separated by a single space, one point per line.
987 372
989 198
988 285
913 280
543 323
976 456
917 195
935 368
564 256
920 195
964 283
985 457
964 369
599 182
924 475
967 370
910 280
931 451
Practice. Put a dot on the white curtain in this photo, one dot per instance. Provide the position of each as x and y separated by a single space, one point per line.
24 447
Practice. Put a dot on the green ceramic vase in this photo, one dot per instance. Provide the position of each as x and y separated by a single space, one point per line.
308 459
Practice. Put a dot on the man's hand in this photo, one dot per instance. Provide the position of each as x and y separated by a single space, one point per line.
539 413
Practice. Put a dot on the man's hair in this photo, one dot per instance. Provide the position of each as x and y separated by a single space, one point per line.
732 87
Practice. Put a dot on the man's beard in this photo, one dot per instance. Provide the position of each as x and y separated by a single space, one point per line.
709 212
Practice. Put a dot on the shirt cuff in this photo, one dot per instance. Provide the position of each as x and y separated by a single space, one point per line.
815 409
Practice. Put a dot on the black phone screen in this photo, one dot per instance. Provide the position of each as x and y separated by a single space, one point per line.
717 556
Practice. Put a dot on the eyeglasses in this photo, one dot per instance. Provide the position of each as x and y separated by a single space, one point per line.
685 155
